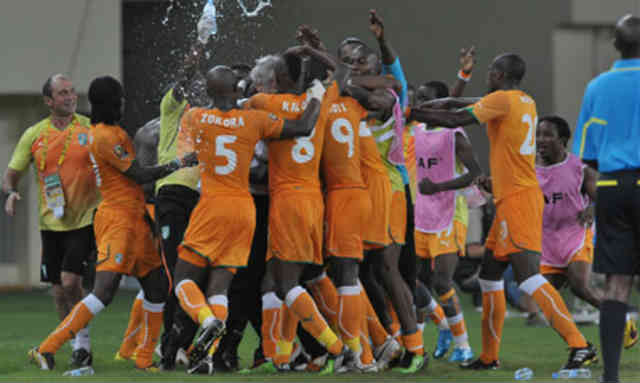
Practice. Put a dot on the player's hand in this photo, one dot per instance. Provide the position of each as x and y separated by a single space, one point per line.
585 217
438 103
10 203
427 187
467 59
484 183
309 36
375 24
191 159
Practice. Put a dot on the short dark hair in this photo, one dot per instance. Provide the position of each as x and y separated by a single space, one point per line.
105 96
561 125
348 41
441 89
512 65
241 67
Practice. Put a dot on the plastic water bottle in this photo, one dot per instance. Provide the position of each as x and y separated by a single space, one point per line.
578 373
207 25
524 374
82 371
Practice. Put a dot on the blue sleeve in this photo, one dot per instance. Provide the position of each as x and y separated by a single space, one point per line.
395 69
584 135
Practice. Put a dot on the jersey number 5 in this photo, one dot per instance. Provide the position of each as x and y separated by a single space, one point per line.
230 155
528 147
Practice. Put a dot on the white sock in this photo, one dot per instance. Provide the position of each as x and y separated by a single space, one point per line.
82 340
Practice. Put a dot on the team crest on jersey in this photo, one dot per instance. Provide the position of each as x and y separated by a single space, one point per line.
120 152
82 139
165 231
273 117
118 258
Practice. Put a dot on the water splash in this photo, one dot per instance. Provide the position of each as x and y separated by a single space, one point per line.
166 16
261 4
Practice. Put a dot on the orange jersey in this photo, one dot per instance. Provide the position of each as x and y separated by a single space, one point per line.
341 152
370 160
224 142
511 119
294 164
112 153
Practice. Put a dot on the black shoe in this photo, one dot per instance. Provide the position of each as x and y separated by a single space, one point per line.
225 361
203 367
300 362
204 342
81 358
580 357
258 357
170 345
478 364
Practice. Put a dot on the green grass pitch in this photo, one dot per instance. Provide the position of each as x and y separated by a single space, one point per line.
26 318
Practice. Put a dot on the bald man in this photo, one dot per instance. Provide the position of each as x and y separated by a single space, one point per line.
607 137
58 149
218 238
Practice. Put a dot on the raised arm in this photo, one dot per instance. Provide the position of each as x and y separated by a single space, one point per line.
464 151
449 103
304 126
388 54
188 69
467 61
440 117
376 82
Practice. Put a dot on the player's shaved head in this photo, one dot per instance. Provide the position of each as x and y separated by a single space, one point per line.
627 36
221 81
512 65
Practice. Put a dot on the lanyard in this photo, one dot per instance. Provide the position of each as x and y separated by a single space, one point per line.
45 145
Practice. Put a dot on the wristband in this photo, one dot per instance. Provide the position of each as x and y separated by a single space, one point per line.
175 164
464 76
316 91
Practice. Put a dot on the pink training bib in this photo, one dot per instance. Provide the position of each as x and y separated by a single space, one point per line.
562 234
396 152
436 160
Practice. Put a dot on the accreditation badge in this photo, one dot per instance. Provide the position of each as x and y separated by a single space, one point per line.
54 195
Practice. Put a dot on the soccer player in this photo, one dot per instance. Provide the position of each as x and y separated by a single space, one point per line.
218 238
516 234
67 193
295 228
445 163
606 137
123 236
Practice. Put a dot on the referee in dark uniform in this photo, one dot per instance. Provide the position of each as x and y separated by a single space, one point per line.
607 137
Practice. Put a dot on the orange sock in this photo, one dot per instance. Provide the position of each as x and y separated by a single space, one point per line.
193 302
494 309
78 318
436 314
285 344
302 305
350 316
151 327
414 343
554 309
374 327
394 327
366 357
272 311
325 294
456 321
130 339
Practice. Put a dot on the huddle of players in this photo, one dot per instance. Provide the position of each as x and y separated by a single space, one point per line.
351 133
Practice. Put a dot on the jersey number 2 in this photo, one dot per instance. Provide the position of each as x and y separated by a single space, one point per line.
230 155
528 147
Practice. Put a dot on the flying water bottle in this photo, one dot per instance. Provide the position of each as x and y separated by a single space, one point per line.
82 371
207 25
523 374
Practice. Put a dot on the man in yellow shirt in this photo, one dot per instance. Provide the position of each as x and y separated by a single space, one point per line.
58 149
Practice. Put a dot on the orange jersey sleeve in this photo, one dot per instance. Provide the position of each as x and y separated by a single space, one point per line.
511 119
341 152
224 142
112 153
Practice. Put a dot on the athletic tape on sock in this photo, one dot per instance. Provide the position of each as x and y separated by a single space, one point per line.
140 295
455 319
219 299
152 307
349 290
271 301
93 304
487 286
293 294
533 283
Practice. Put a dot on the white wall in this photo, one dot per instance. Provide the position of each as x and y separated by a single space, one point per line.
41 37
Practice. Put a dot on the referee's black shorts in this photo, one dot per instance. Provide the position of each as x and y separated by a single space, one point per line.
618 223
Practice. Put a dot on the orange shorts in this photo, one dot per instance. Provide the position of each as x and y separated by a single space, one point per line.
125 243
220 232
295 226
584 254
517 226
448 241
376 233
347 212
398 218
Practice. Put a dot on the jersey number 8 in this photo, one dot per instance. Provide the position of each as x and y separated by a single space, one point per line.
303 151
